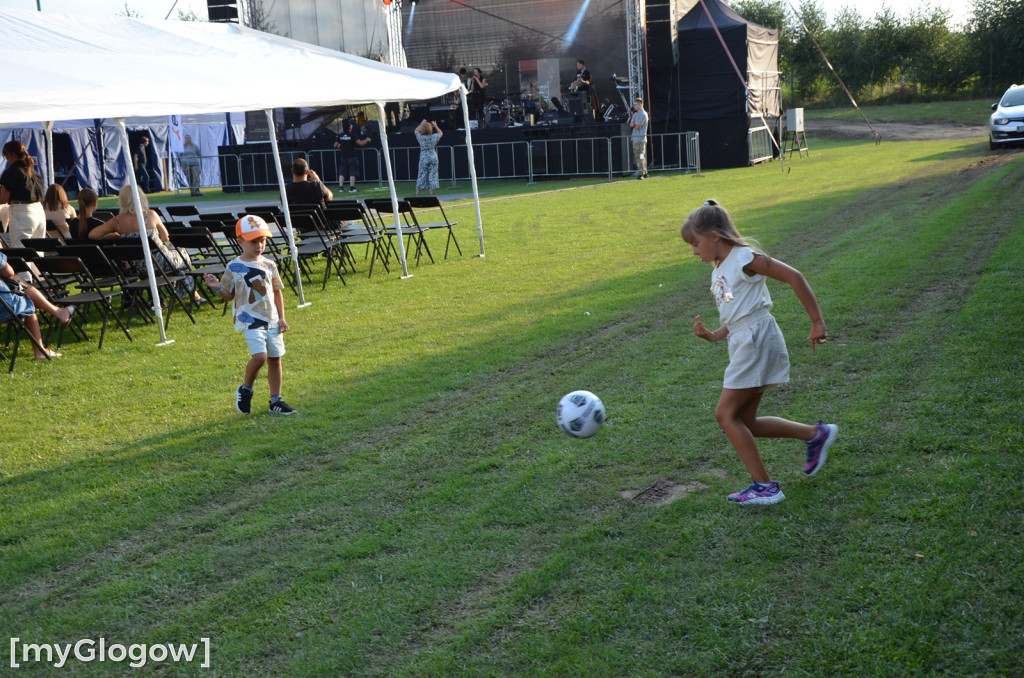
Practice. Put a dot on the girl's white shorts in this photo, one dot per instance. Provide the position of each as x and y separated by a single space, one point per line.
757 353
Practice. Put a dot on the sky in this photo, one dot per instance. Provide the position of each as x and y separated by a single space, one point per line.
159 9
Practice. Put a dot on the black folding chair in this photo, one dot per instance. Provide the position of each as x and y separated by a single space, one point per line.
124 253
355 228
410 227
44 245
432 202
56 271
14 329
27 270
206 255
181 212
315 243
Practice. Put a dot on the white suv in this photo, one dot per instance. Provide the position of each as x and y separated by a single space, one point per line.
1006 125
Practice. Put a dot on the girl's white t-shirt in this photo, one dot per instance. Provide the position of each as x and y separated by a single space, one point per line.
737 294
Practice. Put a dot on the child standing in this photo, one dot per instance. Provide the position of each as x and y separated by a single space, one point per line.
757 350
253 285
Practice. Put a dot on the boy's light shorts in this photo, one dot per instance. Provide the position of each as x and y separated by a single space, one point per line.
268 340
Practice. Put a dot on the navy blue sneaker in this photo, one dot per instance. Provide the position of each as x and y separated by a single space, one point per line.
279 406
243 402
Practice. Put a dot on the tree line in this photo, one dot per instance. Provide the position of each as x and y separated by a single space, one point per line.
892 57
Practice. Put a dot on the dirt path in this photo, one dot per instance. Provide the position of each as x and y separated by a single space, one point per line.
892 131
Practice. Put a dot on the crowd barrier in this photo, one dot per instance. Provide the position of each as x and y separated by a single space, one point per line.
528 160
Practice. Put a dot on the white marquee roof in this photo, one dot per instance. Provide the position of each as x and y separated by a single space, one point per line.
59 67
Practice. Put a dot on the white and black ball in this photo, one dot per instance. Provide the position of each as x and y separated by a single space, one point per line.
580 414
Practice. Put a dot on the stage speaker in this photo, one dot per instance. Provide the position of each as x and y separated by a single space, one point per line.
496 123
550 116
222 11
292 118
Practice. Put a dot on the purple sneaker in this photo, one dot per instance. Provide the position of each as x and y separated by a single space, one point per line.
817 447
758 493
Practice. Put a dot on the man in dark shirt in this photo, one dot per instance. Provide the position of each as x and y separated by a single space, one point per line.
306 187
141 160
353 137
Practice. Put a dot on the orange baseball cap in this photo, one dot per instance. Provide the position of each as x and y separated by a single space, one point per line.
251 227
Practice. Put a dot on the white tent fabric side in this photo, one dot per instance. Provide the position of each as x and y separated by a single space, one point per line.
189 67
90 149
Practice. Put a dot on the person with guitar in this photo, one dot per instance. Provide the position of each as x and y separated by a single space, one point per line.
581 85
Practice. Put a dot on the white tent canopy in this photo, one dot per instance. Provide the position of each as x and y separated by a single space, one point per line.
59 67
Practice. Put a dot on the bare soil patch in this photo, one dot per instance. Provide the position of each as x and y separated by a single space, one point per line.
840 130
663 491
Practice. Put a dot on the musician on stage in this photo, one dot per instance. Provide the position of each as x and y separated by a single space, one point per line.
475 97
581 85
580 90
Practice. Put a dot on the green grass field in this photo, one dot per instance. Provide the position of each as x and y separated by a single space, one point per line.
424 516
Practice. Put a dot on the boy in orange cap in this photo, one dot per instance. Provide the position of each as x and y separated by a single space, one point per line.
254 286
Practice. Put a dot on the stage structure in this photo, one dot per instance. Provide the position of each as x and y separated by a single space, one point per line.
666 51
694 82
358 27
636 56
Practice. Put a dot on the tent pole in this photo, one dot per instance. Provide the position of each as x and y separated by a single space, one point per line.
284 205
141 218
49 151
472 168
394 193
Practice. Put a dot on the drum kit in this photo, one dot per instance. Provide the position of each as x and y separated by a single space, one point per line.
517 108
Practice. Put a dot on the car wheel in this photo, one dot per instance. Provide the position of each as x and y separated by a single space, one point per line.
991 144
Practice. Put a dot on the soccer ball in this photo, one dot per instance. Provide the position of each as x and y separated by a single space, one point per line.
580 414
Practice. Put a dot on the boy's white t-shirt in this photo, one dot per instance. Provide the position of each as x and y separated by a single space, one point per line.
254 284
737 294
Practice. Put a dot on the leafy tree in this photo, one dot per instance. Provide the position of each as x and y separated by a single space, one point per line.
807 70
997 42
854 62
938 61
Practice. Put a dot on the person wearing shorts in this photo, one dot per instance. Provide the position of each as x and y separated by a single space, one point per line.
253 284
353 137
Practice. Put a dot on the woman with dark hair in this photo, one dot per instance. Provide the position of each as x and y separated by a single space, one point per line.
58 211
87 202
23 189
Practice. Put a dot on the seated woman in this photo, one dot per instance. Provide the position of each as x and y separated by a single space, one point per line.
170 260
24 307
87 202
58 210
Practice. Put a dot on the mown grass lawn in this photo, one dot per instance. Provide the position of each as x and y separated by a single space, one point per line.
424 517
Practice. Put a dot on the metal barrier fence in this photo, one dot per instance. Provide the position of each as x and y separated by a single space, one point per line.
529 159
759 144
